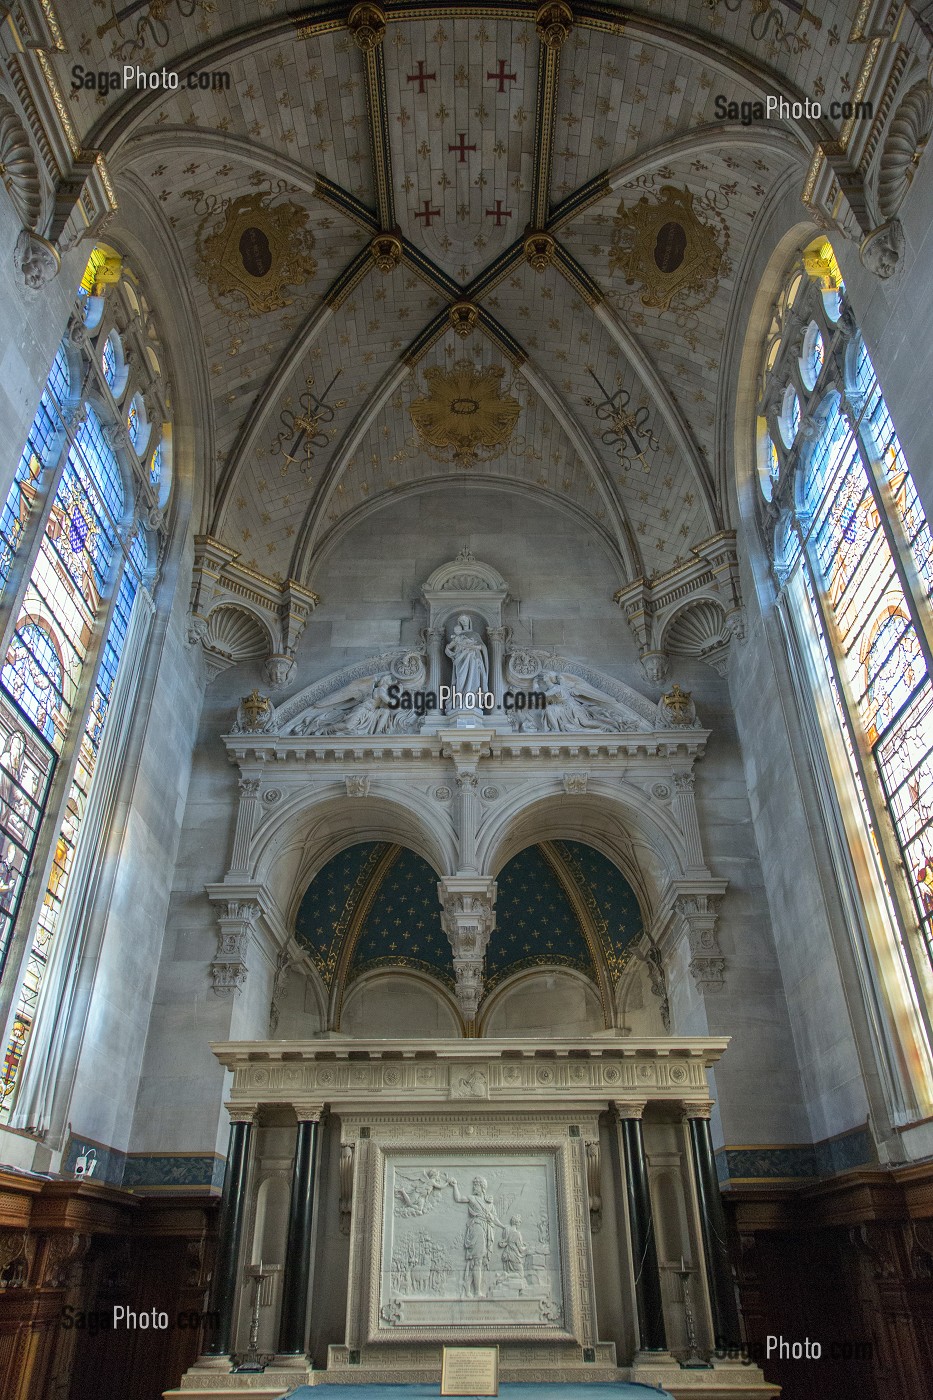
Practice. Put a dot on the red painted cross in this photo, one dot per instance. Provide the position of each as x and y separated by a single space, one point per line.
421 77
502 77
498 213
462 148
427 213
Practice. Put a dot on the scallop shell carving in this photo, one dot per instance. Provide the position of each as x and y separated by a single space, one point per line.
232 636
696 630
904 145
18 167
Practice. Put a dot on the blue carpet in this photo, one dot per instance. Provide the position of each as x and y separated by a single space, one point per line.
509 1390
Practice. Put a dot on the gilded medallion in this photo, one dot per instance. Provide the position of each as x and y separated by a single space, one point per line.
465 417
666 246
251 248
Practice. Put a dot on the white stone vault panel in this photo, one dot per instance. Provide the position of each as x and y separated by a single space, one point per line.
430 1261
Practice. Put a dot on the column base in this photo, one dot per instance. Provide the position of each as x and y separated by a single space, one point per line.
210 1378
718 1380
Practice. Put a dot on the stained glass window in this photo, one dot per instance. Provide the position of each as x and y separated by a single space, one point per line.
814 355
74 614
867 571
38 452
108 361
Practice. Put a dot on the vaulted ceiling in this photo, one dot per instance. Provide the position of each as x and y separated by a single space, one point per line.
457 131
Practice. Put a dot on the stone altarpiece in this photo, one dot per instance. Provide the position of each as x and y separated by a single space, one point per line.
468 1176
470 1181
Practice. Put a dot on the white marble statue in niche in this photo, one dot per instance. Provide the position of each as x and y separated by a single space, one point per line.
469 659
479 1254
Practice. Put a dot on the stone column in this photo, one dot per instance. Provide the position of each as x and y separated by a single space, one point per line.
232 1211
469 917
652 1336
293 1326
685 804
468 809
248 814
713 1228
434 636
498 636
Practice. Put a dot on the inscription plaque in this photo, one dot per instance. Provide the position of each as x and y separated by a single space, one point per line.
470 1371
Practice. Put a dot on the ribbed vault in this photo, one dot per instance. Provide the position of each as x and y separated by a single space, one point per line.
412 172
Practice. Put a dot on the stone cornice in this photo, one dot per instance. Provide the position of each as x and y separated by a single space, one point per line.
668 744
471 1073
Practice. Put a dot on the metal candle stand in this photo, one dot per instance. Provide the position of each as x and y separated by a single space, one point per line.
693 1361
252 1359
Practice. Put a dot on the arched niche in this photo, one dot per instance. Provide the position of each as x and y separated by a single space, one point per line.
546 1001
639 837
390 1004
372 911
641 1001
305 831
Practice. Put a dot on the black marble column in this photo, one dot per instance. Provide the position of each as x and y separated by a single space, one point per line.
232 1210
726 1329
298 1248
641 1229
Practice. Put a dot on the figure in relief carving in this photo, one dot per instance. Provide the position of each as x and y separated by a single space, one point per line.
571 705
360 713
418 1196
467 651
479 1236
514 1250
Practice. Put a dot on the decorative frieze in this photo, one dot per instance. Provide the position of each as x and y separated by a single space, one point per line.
500 1072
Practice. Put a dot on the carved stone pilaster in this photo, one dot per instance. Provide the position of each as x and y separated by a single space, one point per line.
593 1187
248 815
699 914
229 968
498 637
345 1200
468 811
468 918
685 804
434 641
655 965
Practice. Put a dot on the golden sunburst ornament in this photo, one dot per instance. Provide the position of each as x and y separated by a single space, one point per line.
465 417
